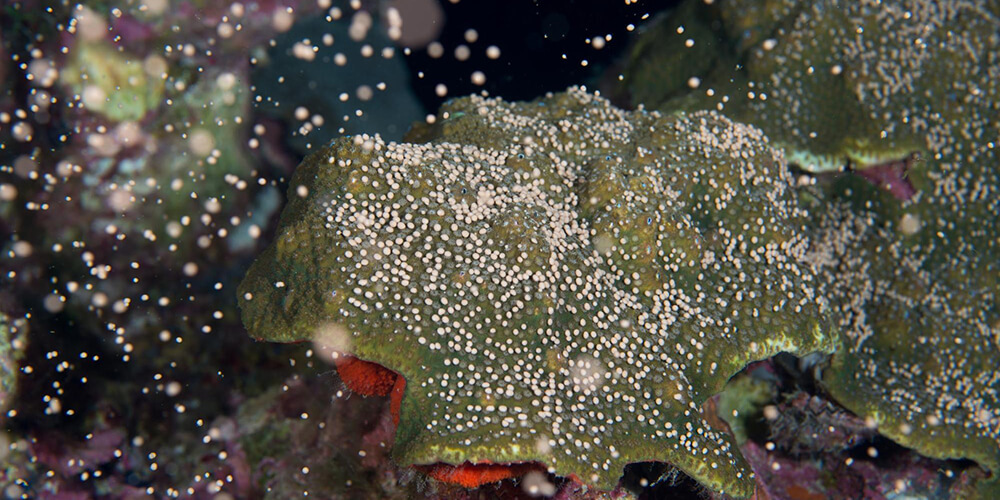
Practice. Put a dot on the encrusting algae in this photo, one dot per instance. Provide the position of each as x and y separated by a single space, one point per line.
560 282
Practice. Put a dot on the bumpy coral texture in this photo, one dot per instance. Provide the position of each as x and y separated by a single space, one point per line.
912 270
560 282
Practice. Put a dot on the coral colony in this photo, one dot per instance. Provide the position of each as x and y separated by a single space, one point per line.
264 250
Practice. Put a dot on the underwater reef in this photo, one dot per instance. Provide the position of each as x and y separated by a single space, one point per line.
564 261
756 256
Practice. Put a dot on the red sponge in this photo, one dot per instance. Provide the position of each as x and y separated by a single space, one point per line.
471 475
364 377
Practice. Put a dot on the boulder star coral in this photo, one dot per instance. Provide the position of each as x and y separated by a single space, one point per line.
911 270
833 82
560 281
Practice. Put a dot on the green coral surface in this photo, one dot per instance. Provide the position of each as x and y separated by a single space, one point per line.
913 281
558 281
834 82
566 282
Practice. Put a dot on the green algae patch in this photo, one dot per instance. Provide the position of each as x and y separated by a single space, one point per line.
558 281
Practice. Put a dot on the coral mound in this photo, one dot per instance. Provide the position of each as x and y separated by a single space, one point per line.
560 282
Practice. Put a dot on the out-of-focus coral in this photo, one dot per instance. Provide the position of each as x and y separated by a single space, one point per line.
13 338
111 83
136 181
